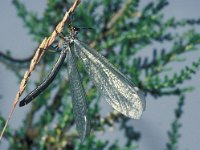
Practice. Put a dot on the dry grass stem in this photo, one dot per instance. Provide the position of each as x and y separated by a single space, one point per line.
39 52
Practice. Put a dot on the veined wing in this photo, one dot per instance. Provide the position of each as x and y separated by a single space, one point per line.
79 99
117 89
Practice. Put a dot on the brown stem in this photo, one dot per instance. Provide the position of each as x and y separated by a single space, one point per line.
39 52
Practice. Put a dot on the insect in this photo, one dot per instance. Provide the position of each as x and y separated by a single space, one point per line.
116 88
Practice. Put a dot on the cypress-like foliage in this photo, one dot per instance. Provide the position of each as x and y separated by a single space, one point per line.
122 30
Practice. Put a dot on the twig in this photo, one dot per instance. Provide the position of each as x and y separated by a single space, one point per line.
39 52
109 25
15 60
118 14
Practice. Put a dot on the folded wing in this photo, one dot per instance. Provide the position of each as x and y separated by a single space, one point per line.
79 99
117 89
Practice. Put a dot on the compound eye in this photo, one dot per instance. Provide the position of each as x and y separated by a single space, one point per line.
76 29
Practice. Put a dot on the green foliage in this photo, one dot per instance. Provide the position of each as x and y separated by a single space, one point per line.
174 134
121 31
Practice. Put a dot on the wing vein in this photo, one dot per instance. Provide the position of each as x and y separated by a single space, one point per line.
118 90
79 99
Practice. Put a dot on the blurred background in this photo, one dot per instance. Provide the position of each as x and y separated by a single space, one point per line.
20 41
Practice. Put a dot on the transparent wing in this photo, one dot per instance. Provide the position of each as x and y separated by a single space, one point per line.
117 89
79 99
